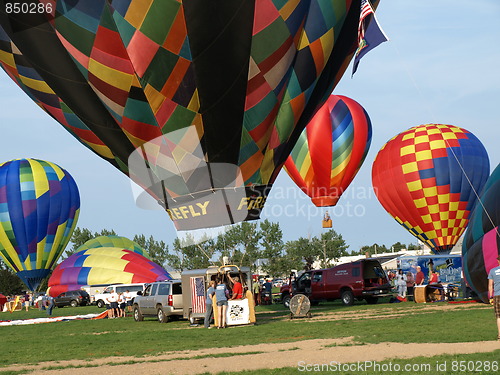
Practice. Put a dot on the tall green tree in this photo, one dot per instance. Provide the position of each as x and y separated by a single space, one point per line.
187 255
300 253
241 244
272 249
157 250
10 283
329 247
304 252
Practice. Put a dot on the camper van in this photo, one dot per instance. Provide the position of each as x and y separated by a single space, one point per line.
363 279
195 285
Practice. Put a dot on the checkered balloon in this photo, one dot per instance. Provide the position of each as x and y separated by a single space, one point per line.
428 178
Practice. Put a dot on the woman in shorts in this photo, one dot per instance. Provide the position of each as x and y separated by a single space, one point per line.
221 294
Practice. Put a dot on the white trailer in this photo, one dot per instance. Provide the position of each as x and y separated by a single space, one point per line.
195 285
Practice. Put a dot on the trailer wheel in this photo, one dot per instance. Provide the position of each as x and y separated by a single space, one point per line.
347 297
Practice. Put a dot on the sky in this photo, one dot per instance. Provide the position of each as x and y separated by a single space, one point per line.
440 66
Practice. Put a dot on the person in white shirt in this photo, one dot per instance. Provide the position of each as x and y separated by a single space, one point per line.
113 302
128 300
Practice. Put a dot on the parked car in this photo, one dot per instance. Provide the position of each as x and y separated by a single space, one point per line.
363 279
72 298
100 298
162 299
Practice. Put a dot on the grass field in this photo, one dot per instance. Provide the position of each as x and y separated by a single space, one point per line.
402 323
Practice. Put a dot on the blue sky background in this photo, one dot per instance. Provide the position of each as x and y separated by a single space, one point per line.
440 66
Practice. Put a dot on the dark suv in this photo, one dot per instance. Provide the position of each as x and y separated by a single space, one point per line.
72 298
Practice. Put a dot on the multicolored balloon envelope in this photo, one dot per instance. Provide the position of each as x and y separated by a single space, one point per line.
481 245
330 150
426 178
114 241
104 265
212 98
39 207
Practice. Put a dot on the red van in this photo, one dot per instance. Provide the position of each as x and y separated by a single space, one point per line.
362 279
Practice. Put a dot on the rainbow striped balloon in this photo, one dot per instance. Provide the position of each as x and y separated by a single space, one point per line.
481 246
39 207
425 178
104 265
330 150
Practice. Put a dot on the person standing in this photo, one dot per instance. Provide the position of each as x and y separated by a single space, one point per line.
237 287
494 292
113 305
128 300
26 302
256 292
268 292
420 277
401 284
50 304
433 277
209 309
410 284
221 294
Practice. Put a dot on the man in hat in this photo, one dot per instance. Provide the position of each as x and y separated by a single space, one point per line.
494 292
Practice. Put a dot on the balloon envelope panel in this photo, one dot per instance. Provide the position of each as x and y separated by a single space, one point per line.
39 207
481 245
104 265
426 178
113 241
330 150
246 75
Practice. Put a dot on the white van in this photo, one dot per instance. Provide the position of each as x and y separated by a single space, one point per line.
100 299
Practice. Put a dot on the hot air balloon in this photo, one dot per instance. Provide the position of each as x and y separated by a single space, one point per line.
330 150
39 207
426 178
481 245
211 98
104 265
113 241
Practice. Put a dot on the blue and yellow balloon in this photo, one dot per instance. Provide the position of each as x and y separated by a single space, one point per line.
39 207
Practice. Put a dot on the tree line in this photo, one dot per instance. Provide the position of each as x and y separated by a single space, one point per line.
258 245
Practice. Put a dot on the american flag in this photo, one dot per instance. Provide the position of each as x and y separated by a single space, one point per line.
370 35
197 294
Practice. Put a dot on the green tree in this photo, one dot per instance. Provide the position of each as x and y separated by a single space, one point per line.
300 253
412 246
10 283
189 255
398 246
241 244
157 250
374 249
305 251
272 248
329 247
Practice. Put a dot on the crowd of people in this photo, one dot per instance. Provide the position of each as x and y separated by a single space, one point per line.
118 304
405 282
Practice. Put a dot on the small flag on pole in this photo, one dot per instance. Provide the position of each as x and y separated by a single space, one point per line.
197 294
370 34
